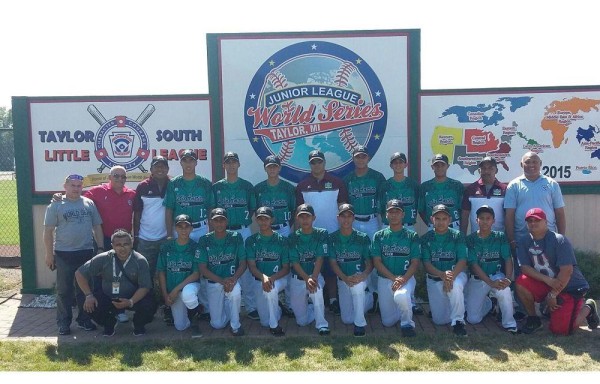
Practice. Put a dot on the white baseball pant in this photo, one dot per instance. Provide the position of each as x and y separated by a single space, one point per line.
267 303
247 279
224 306
307 313
187 299
354 302
447 307
369 227
395 305
478 304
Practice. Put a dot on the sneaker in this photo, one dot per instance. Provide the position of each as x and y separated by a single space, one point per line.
359 331
122 317
459 329
408 332
196 332
87 325
253 315
512 330
286 311
237 332
139 331
592 318
375 308
533 324
417 310
335 307
324 331
64 330
109 330
277 331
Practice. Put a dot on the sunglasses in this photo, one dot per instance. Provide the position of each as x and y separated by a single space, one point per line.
75 177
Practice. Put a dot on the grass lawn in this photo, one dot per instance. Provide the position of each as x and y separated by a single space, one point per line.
9 220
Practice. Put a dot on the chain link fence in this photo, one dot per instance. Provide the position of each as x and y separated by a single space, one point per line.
9 219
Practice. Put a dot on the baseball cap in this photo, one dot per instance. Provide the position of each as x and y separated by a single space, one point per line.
440 157
360 149
305 208
188 153
264 211
394 204
345 208
397 155
488 159
183 219
159 160
537 213
316 154
74 177
485 208
218 212
271 159
440 208
231 156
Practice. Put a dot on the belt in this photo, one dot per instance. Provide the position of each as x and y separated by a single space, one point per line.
279 226
236 227
198 224
434 278
365 218
211 282
476 277
297 277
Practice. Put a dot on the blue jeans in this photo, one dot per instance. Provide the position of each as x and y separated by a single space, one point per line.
66 287
150 249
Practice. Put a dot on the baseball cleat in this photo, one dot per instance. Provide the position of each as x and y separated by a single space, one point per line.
237 332
277 331
324 331
196 332
253 315
359 331
592 318
417 310
512 330
533 324
459 329
408 332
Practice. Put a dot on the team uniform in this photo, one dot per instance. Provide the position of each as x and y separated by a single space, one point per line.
270 253
407 191
477 194
396 250
443 252
350 253
222 257
490 254
325 196
193 198
177 262
448 192
281 198
363 195
305 249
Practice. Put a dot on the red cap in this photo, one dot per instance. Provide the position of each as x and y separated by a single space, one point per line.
536 213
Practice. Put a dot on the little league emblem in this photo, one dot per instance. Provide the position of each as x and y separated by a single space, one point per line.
314 95
121 140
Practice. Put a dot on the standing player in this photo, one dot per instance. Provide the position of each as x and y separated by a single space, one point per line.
444 255
267 255
396 254
222 263
350 260
236 196
308 249
488 255
441 190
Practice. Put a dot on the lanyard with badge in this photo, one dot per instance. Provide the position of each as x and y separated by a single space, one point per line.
116 278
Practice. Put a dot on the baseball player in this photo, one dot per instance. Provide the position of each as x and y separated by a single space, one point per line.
236 196
178 277
267 256
396 254
308 249
222 263
444 255
350 260
488 253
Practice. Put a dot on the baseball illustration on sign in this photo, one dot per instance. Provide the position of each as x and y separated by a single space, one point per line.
314 95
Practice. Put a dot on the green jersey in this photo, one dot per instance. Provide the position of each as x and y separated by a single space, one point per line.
237 198
350 252
490 253
222 256
177 261
396 249
190 197
363 191
281 198
270 253
407 191
448 193
307 248
443 251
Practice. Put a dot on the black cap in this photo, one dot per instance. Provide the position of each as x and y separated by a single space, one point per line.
188 153
345 208
394 204
488 159
183 219
272 159
159 160
230 155
360 149
264 211
440 208
316 154
218 212
440 157
305 208
486 208
397 155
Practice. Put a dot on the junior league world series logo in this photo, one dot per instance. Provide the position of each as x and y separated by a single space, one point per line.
314 95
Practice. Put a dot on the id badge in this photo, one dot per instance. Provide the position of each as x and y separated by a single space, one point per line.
115 288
